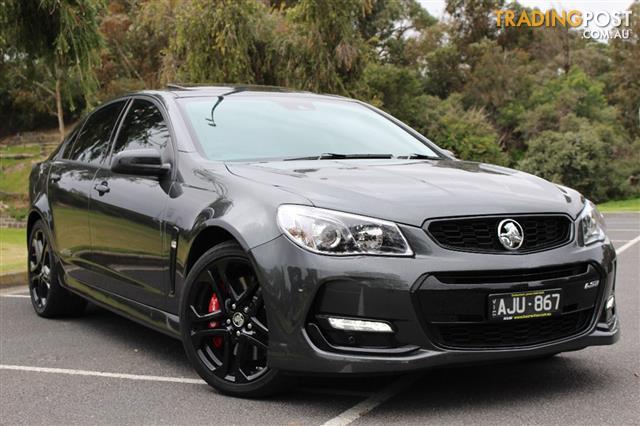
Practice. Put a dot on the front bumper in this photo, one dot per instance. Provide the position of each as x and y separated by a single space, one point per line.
300 287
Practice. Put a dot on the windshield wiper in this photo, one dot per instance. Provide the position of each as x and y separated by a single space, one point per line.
336 156
418 157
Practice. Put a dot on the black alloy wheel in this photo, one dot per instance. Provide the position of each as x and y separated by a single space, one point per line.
39 269
224 324
48 298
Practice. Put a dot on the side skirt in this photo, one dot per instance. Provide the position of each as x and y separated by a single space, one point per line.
151 317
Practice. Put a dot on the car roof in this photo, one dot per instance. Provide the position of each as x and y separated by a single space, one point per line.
185 91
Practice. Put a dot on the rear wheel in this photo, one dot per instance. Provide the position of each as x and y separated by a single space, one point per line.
224 324
49 299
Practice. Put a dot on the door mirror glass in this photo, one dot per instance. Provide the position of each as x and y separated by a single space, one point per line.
142 162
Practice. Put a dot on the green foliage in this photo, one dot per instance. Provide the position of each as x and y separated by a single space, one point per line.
387 24
26 99
473 20
397 90
217 42
444 73
578 159
61 33
321 46
625 77
573 94
468 133
54 47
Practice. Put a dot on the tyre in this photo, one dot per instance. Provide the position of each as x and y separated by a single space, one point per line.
49 299
224 326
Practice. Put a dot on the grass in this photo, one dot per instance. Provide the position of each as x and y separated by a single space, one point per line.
14 173
630 205
20 149
16 181
13 250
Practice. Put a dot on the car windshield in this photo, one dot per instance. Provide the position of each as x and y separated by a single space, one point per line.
282 126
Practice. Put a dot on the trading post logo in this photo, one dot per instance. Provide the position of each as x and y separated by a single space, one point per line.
595 25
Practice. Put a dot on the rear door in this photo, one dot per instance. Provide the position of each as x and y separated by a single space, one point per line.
69 186
127 213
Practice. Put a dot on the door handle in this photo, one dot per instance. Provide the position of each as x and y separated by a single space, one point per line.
102 188
55 177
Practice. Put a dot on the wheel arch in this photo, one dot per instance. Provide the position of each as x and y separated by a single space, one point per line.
207 237
34 215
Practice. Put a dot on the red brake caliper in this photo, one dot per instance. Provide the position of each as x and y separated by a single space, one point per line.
214 305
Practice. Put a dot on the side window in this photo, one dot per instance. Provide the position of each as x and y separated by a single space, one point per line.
92 143
65 147
143 127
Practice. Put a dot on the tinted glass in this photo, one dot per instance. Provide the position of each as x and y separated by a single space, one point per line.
92 144
67 143
281 126
143 127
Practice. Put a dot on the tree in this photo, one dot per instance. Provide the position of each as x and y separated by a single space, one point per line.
625 78
468 133
391 27
323 49
63 35
573 94
473 20
445 71
216 41
500 83
136 53
578 159
397 90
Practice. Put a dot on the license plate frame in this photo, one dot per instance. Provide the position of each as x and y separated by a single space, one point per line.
522 305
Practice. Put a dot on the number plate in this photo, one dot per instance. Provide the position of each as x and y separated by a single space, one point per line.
525 305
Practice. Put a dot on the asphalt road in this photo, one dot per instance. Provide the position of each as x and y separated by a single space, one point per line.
102 369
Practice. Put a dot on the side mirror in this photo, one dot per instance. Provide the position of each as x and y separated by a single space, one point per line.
142 162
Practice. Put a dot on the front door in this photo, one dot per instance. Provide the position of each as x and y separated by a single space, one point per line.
127 211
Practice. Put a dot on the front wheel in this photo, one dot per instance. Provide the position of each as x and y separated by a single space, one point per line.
224 327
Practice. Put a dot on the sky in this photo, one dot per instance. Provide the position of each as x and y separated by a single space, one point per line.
436 7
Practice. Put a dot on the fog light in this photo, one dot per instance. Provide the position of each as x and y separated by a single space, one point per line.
611 302
360 325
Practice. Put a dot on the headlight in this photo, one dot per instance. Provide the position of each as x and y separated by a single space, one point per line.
331 232
591 224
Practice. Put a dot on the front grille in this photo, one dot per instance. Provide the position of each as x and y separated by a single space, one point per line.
513 275
513 333
480 234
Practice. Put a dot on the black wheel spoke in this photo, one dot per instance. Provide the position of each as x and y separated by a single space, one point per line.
198 336
40 246
246 295
217 273
259 327
212 277
223 369
255 342
208 317
44 250
241 350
